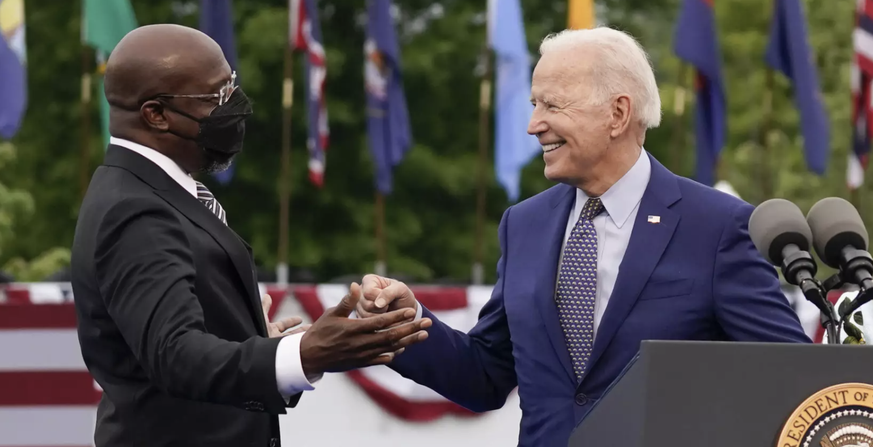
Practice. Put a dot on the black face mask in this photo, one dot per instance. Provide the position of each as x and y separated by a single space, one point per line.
222 132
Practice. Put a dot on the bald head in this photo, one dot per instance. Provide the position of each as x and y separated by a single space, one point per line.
159 59
161 81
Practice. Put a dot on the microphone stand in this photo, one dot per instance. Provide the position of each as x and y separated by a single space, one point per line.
799 269
814 292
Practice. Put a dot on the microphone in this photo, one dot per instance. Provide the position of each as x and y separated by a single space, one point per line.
782 235
841 242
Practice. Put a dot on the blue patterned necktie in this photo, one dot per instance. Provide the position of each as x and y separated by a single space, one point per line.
577 288
205 196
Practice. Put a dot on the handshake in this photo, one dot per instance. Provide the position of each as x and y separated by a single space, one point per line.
385 326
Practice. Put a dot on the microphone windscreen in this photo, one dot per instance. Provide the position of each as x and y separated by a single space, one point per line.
835 224
775 224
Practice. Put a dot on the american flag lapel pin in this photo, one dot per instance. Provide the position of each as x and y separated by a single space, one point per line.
654 219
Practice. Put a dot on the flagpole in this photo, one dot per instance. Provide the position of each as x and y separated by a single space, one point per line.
679 110
85 149
381 264
765 171
285 176
478 275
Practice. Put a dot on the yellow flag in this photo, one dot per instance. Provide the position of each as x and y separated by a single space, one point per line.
580 14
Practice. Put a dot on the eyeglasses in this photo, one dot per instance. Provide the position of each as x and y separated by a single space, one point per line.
223 95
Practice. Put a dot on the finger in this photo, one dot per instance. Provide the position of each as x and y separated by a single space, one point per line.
396 290
362 310
385 320
385 358
400 346
380 360
389 339
372 285
348 303
298 330
369 306
266 303
288 323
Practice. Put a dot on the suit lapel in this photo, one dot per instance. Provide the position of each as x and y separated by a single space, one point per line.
547 232
193 209
647 243
227 238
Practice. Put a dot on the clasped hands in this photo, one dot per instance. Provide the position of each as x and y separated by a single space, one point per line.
384 327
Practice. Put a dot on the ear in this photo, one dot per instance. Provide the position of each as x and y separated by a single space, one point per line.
621 115
154 115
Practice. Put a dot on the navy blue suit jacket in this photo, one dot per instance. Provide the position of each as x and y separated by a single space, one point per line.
695 275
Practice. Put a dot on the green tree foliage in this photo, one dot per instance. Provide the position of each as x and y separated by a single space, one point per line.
15 205
430 218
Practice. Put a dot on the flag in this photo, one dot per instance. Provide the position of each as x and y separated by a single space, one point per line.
13 67
513 146
304 33
387 117
580 14
862 102
789 53
105 23
216 21
696 42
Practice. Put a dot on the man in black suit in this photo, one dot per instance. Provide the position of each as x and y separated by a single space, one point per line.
170 322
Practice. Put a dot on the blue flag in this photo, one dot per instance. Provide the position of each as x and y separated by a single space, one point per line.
696 42
216 21
789 52
387 117
13 71
513 146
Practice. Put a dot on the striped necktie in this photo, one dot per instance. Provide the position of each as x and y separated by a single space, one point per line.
206 197
577 288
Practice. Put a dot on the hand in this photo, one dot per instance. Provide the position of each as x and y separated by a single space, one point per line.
337 343
384 294
278 328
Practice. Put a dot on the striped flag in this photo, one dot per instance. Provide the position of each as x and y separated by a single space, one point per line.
862 102
44 381
305 34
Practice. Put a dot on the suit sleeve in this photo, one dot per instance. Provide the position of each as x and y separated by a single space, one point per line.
145 270
474 370
749 303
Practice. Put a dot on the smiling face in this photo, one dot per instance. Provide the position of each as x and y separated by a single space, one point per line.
585 96
573 130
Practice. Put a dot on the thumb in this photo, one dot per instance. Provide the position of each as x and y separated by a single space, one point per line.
348 303
266 303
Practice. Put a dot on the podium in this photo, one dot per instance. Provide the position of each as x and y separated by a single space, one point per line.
720 394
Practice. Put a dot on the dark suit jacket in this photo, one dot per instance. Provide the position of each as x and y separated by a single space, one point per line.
695 275
169 316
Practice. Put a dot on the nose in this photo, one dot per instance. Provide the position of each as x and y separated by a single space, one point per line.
536 125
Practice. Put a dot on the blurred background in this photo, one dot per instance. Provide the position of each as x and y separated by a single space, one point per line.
761 99
430 213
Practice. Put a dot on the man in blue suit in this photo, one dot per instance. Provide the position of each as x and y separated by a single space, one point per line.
620 251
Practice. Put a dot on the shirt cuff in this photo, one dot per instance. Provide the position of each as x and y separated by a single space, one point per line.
417 311
290 377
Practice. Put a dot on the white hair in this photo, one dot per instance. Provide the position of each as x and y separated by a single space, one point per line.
621 67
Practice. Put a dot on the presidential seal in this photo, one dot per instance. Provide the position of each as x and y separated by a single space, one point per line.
837 416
